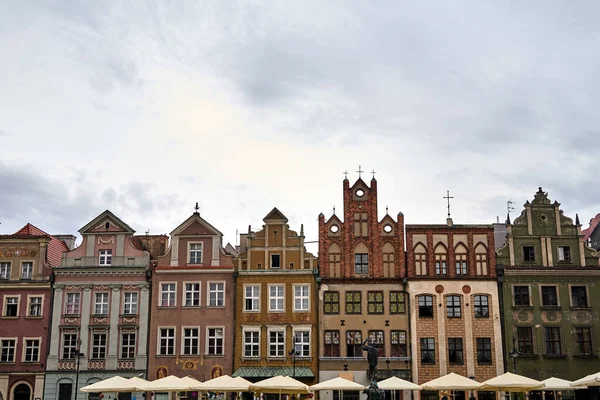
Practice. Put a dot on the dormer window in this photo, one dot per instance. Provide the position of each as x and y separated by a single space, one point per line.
195 253
105 257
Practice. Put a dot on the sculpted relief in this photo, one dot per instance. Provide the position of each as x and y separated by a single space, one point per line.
11 252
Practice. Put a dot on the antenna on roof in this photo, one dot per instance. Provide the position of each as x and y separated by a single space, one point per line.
509 206
147 232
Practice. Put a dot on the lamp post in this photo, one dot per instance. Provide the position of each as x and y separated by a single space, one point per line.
78 354
514 353
293 352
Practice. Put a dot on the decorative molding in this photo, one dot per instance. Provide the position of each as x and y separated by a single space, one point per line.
96 365
11 252
125 364
110 240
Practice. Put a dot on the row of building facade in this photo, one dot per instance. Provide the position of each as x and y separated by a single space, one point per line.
472 299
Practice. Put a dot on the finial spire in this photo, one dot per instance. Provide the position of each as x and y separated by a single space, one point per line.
196 208
345 174
386 209
448 197
360 171
333 210
373 172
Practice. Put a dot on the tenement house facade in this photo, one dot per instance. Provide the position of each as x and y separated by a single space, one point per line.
363 289
549 279
100 310
276 330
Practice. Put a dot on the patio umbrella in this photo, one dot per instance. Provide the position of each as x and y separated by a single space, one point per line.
114 384
224 383
589 380
451 381
338 383
137 382
169 383
192 382
280 384
394 383
557 385
509 382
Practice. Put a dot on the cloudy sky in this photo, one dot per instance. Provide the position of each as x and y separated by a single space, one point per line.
145 107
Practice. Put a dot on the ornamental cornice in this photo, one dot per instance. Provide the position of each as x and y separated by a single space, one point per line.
99 273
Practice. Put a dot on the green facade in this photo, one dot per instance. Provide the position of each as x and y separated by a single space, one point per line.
550 283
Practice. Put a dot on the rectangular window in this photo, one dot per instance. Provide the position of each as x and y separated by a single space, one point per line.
167 295
7 350
11 306
65 391
361 264
105 257
440 264
354 344
252 298
26 270
130 303
427 350
192 294
453 306
101 304
99 346
398 343
302 343
166 341
375 302
128 345
191 341
72 304
216 294
276 344
421 263
525 340
275 261
32 350
301 298
552 336
4 270
215 341
353 303
378 340
251 344
425 306
455 351
528 253
276 299
397 302
521 296
35 306
579 297
461 264
331 302
481 306
332 344
564 253
195 253
481 263
583 341
69 346
549 296
484 351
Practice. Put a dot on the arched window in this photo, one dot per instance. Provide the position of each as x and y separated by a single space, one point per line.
335 257
441 267
388 260
481 259
460 259
361 259
420 260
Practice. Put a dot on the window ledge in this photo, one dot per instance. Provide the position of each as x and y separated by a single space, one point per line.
555 355
165 355
167 307
128 315
251 358
100 315
252 311
7 363
582 308
550 307
70 315
482 316
34 317
215 355
522 307
30 362
192 307
9 317
223 306
583 355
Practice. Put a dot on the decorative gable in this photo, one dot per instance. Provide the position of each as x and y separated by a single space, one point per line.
196 225
275 216
106 222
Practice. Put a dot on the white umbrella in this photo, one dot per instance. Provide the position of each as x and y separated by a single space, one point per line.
557 385
224 383
169 383
451 381
280 384
395 383
338 383
114 384
192 382
509 382
589 380
137 382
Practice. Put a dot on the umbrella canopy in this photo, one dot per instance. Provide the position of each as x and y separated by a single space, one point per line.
337 384
280 384
224 383
509 382
451 381
192 382
589 380
114 384
395 383
169 383
137 382
557 384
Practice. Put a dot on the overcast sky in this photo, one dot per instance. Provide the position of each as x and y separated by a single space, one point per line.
145 107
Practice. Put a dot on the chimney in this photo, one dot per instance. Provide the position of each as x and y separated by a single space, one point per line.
69 240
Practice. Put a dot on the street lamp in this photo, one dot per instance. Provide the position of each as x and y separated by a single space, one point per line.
514 353
293 352
78 354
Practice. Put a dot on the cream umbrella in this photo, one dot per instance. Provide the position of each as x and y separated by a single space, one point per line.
224 383
192 382
114 384
451 381
278 385
557 385
589 380
509 382
169 383
394 383
339 384
137 382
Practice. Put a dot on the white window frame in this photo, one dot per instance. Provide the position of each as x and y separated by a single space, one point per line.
134 346
5 270
251 344
174 294
254 296
185 291
104 306
159 338
208 338
189 253
270 344
62 344
78 304
302 297
277 297
133 305
94 347
29 299
5 304
30 263
297 329
105 257
209 291
14 353
24 349
184 337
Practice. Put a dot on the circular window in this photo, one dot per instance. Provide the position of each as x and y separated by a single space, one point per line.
334 228
107 225
388 228
360 193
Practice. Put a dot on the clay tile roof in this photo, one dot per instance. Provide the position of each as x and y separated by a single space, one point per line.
593 223
55 247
